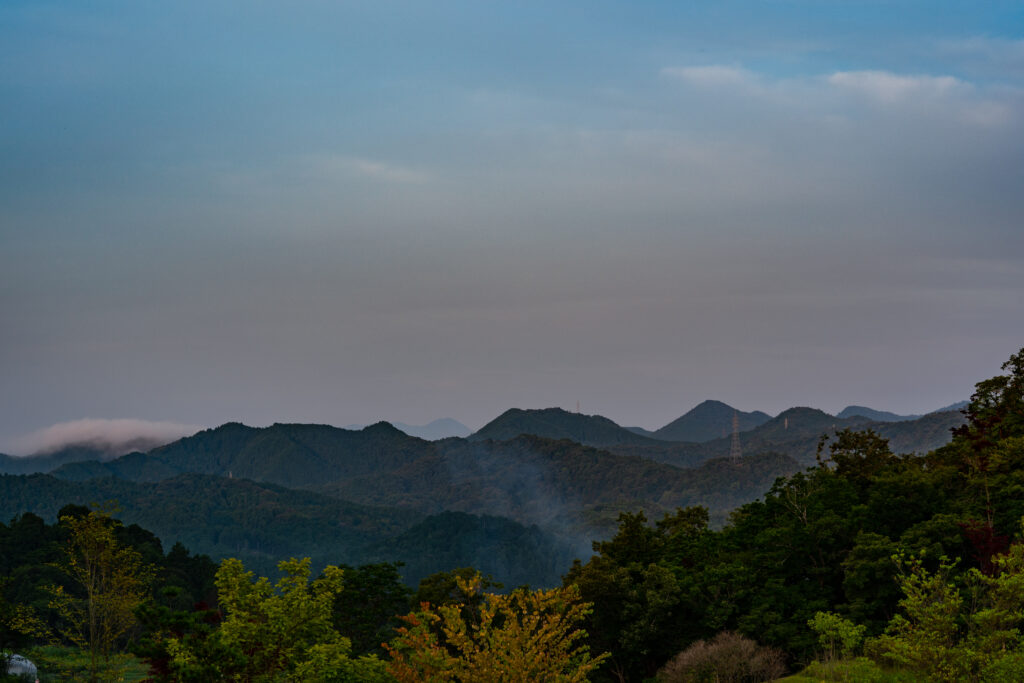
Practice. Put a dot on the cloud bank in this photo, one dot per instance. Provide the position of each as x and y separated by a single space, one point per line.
113 437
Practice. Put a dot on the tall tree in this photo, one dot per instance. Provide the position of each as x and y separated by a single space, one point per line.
106 582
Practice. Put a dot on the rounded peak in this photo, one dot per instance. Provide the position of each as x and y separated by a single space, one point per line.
382 427
798 411
713 403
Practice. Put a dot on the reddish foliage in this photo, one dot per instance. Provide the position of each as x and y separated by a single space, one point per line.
984 542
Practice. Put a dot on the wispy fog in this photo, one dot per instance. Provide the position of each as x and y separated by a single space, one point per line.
113 437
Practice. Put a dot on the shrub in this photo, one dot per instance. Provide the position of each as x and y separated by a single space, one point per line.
727 658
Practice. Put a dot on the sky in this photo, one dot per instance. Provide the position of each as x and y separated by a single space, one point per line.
343 212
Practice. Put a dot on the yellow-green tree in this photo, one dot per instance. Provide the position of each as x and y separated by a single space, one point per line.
517 638
106 582
280 632
942 636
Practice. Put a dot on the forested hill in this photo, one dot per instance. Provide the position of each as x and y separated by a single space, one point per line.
561 485
874 415
295 455
264 523
10 464
708 421
218 516
555 423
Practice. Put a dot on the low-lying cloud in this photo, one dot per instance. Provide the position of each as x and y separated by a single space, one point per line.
113 437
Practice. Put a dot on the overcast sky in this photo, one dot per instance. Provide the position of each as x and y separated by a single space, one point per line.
342 212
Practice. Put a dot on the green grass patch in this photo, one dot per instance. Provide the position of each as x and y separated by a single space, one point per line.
60 663
859 670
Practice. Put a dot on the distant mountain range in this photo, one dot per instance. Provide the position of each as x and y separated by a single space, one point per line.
367 496
796 432
550 480
560 485
885 416
709 423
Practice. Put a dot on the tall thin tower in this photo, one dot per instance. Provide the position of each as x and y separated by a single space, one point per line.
735 452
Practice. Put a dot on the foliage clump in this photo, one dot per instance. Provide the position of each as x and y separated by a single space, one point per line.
273 632
958 628
727 658
838 637
522 637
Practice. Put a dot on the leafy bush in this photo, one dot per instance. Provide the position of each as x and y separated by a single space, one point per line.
837 636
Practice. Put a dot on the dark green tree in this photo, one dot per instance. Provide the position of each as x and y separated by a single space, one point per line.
366 611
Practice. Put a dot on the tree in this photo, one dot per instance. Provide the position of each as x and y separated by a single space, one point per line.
837 636
521 637
641 583
106 583
273 632
856 455
163 621
996 410
944 636
447 588
366 611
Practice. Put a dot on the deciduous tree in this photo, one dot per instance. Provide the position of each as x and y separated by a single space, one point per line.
106 582
522 637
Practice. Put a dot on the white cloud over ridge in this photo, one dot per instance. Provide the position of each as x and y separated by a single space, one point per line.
114 437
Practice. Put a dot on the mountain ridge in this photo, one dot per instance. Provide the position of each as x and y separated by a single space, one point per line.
709 420
556 423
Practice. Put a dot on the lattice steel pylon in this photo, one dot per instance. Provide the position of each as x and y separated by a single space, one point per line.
735 452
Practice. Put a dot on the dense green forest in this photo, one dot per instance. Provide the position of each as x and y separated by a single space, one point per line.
264 523
911 562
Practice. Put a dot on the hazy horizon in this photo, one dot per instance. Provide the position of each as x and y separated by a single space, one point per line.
342 213
119 436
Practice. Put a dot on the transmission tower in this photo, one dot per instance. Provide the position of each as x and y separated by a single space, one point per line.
735 453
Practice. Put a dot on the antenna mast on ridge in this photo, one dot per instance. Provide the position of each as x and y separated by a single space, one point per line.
735 452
